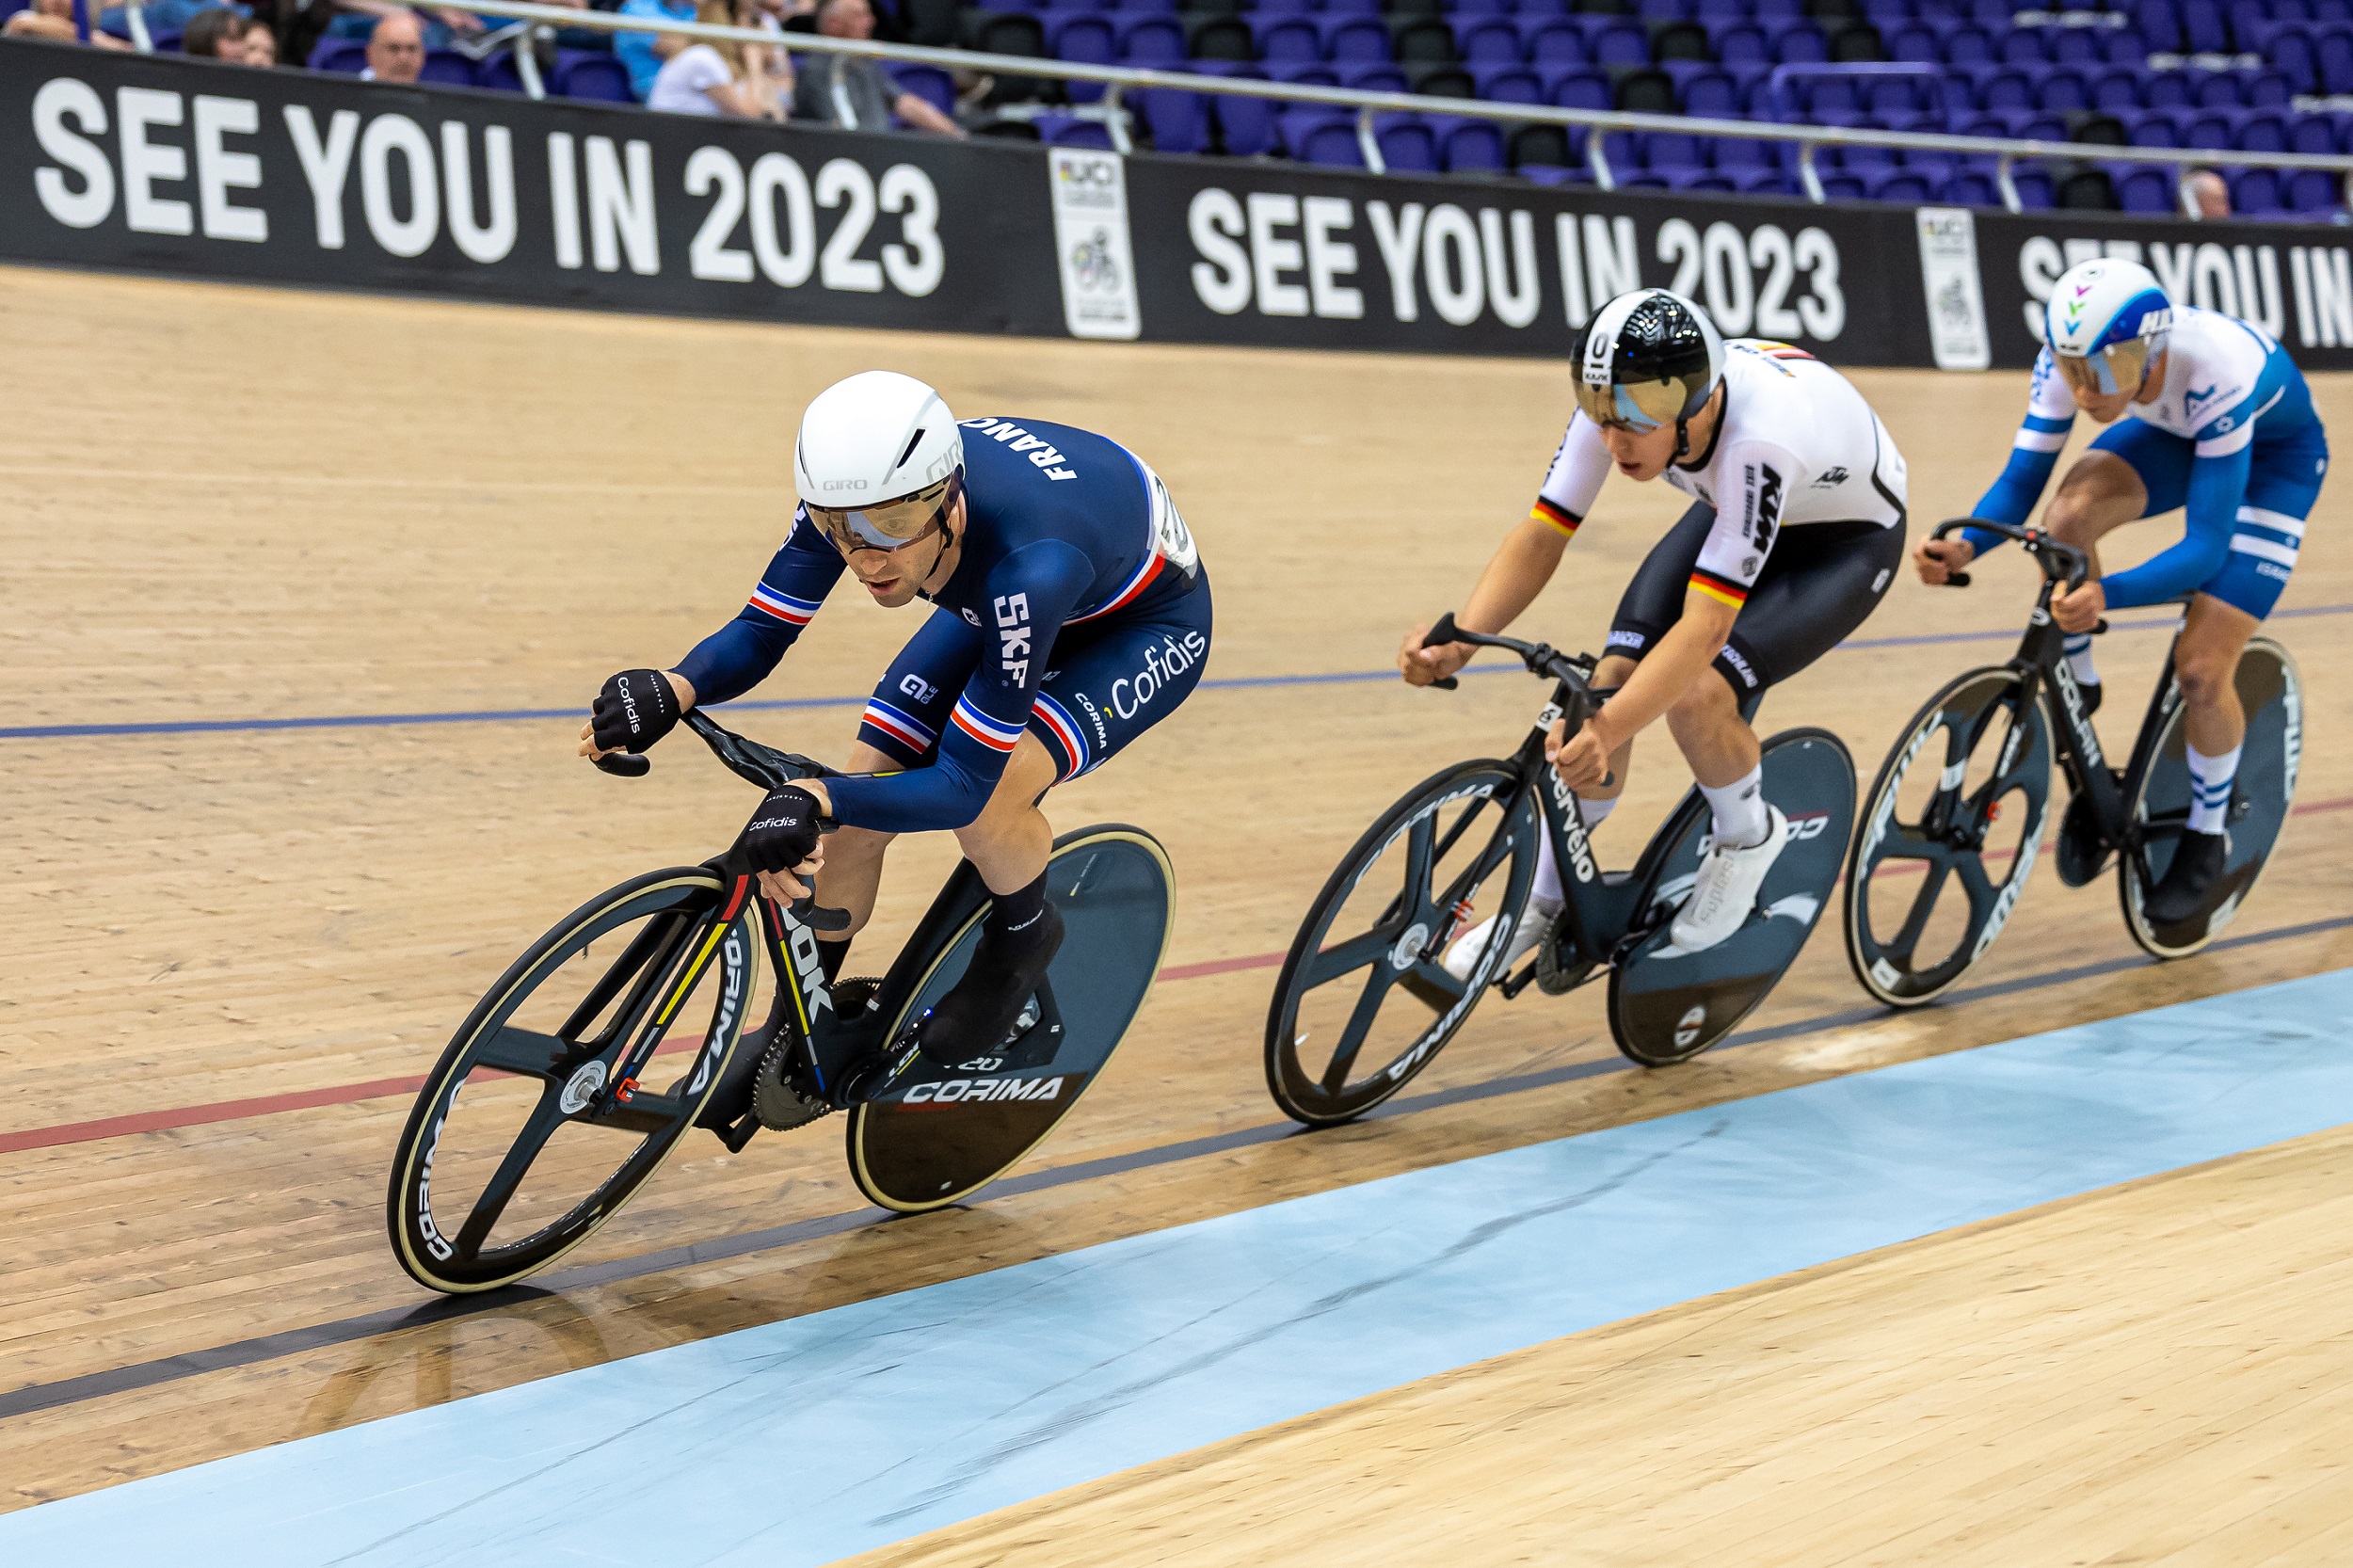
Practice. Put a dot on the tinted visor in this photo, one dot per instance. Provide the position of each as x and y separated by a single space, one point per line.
2118 368
1635 406
892 525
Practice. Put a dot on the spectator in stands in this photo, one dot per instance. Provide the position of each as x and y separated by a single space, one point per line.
54 19
395 49
2207 194
214 33
635 51
437 25
261 43
852 92
726 78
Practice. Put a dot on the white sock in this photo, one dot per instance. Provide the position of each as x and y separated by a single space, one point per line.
1593 812
2078 646
1547 889
1741 820
2210 789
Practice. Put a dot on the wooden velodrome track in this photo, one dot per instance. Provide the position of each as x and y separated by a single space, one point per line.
226 956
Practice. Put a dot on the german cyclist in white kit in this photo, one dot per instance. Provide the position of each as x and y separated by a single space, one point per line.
1796 529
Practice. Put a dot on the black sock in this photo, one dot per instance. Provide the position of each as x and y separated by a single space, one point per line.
1012 915
831 956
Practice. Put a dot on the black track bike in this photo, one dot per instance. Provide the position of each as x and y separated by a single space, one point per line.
1357 1015
575 1077
1954 822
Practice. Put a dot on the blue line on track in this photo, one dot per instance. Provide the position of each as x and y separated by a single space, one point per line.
820 1436
1242 682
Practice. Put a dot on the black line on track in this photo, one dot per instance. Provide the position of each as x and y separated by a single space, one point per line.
39 1397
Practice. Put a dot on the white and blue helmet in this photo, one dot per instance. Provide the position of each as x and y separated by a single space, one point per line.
2106 320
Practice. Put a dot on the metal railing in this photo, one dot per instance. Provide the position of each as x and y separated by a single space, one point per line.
1120 80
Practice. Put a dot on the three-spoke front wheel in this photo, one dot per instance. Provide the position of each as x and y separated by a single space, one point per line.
1365 1000
1951 831
543 1116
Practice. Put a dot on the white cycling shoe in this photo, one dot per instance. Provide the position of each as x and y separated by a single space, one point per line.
1462 954
1726 891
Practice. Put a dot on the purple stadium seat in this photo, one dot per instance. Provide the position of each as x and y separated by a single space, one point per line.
2143 188
2269 89
2023 46
1083 38
1914 44
2034 188
1710 11
2210 128
2262 131
2063 92
2116 92
2158 23
1621 43
2256 190
929 83
1314 73
1559 42
346 56
1839 185
1470 146
1409 143
1743 44
446 67
2006 90
1062 130
1971 187
1356 39
2203 30
499 73
2295 56
1902 185
1377 76
2123 46
1011 4
1144 8
1509 84
2312 190
2153 128
1245 125
1151 41
1321 137
1176 122
2075 47
1487 41
2311 133
1287 37
1740 156
1711 95
2217 90
591 75
1969 46
1582 90
2166 90
1763 182
2333 55
1667 151
1801 45
1663 10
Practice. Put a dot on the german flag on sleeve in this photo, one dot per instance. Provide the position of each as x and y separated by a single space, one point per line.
1722 589
1545 511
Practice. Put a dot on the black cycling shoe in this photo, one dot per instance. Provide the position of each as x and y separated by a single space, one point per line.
978 1012
2181 893
2089 692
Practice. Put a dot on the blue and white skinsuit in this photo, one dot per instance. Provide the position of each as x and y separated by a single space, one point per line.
2232 438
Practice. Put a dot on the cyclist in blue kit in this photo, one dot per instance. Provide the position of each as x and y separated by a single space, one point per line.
2221 427
1071 615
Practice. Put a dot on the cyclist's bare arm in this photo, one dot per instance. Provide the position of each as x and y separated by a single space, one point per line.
1517 572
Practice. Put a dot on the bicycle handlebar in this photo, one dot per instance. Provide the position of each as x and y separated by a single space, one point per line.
1539 658
2059 561
753 763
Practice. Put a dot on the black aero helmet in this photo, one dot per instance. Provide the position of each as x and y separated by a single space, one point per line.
1649 358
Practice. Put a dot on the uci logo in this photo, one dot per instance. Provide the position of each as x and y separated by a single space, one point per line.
1093 171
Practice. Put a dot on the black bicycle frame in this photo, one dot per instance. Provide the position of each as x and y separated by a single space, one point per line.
2041 656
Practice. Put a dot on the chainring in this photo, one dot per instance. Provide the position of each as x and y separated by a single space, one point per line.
782 1098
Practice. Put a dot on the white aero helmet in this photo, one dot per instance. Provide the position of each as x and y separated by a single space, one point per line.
1649 358
2105 321
879 460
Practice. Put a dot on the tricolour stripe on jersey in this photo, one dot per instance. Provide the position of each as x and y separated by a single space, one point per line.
1722 589
1134 585
1067 734
793 612
898 725
1559 517
988 731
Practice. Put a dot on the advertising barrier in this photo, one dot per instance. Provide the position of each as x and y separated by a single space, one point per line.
162 164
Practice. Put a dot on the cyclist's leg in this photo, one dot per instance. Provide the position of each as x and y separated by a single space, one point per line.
2134 469
900 729
1652 603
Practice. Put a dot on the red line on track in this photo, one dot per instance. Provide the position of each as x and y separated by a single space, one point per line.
347 1093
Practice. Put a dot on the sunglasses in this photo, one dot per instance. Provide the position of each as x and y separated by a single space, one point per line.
893 525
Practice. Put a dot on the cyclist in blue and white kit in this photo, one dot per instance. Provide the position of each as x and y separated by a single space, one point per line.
1072 614
2222 427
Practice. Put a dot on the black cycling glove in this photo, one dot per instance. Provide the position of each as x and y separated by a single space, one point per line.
783 832
636 709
